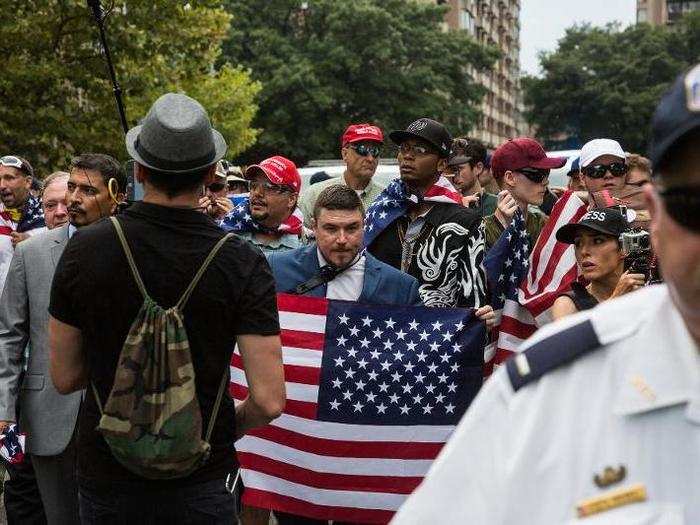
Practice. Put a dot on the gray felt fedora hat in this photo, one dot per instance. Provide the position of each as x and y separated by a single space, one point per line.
175 137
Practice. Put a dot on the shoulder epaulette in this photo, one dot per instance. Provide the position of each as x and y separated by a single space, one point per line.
551 353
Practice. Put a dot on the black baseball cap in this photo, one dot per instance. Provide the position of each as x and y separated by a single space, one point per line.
604 220
678 113
429 130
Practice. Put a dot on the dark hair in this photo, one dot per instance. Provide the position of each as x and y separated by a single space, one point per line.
176 184
108 168
338 197
466 147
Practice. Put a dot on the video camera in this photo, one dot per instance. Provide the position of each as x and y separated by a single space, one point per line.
639 256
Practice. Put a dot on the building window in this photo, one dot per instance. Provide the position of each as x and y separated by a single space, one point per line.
466 20
641 15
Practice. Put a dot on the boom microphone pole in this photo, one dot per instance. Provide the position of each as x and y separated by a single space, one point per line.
99 17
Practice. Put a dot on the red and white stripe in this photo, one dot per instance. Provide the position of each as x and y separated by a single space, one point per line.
293 224
551 271
337 471
443 191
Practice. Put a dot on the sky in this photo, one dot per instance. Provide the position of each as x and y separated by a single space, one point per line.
543 23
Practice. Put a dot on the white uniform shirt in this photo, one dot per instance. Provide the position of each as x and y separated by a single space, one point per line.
531 455
348 285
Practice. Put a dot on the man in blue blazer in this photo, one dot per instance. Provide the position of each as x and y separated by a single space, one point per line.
336 266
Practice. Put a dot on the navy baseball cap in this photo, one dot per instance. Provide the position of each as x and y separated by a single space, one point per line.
678 113
575 166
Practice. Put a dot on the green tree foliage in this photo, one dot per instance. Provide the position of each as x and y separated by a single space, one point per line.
55 95
326 63
606 82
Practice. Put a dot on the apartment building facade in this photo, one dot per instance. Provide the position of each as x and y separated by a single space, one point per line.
496 23
660 12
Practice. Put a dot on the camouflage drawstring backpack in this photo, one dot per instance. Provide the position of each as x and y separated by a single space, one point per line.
152 420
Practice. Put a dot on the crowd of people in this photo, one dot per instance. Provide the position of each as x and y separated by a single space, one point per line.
197 264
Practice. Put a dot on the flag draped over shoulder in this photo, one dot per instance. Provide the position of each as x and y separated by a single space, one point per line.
239 220
506 265
548 272
373 393
393 203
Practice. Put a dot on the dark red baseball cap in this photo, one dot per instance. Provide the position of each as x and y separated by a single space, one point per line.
278 170
520 153
359 132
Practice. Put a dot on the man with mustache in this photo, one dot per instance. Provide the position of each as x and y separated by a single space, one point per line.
361 146
20 211
48 418
270 219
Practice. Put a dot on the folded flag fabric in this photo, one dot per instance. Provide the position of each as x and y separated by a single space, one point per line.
506 265
373 393
12 444
240 220
393 202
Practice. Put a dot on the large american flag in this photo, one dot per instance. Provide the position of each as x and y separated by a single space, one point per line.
373 393
549 271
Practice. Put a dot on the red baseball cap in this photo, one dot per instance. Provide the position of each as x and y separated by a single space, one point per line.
278 170
522 152
358 132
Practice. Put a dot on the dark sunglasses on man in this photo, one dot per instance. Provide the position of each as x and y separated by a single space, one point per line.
365 150
216 187
535 175
598 171
682 204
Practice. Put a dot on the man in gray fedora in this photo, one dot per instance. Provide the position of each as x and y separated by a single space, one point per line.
95 299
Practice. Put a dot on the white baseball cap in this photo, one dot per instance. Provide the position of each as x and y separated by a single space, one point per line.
595 148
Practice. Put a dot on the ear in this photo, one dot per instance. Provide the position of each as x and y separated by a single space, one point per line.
139 173
314 225
479 168
441 165
344 153
509 178
293 200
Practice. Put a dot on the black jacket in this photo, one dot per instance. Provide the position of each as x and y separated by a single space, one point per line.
447 257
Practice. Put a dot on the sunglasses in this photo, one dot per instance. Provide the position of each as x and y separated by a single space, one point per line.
617 169
267 186
365 150
417 150
216 187
534 175
683 205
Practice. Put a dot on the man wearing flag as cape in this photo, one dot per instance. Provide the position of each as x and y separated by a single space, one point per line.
419 226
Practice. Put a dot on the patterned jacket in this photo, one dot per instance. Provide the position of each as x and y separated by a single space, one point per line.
447 256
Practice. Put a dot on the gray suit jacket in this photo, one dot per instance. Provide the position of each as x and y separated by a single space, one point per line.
46 416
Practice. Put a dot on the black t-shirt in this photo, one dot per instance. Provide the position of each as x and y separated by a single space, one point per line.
94 290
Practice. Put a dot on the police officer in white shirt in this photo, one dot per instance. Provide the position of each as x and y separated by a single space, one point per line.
600 415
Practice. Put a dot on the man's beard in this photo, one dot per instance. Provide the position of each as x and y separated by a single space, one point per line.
259 216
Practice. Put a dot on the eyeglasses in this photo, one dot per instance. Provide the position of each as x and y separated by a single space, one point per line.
417 150
616 169
216 187
535 175
267 186
365 150
683 205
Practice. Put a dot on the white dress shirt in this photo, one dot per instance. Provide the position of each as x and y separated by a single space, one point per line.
347 285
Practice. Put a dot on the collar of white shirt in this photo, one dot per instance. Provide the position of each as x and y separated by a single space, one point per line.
348 285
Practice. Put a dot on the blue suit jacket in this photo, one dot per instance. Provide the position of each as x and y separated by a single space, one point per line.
383 284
